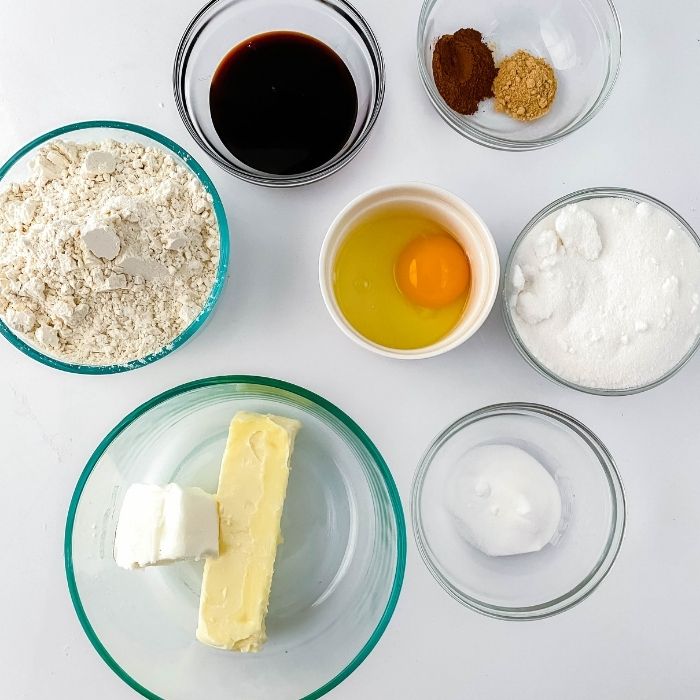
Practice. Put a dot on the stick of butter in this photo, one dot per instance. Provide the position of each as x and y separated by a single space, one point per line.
252 487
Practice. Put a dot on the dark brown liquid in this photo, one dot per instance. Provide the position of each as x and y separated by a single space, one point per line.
283 103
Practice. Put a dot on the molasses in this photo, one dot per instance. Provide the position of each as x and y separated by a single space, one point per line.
283 103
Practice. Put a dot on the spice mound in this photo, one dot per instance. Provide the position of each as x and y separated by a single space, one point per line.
605 293
463 70
525 86
107 252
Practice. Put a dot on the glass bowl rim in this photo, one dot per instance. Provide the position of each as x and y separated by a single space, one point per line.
615 536
269 383
578 196
224 249
360 27
499 143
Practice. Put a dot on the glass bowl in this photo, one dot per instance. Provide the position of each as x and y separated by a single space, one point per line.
565 571
579 196
17 169
581 39
338 571
223 24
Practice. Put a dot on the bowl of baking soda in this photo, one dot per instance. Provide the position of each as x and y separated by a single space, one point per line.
518 511
113 247
602 292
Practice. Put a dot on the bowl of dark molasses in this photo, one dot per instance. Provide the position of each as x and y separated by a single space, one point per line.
282 92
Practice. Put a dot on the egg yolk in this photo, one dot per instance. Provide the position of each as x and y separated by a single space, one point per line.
432 271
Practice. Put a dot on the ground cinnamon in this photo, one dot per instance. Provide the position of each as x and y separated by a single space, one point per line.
463 70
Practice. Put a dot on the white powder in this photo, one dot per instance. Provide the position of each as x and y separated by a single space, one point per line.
606 293
107 252
504 501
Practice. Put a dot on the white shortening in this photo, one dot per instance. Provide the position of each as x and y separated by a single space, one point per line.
163 524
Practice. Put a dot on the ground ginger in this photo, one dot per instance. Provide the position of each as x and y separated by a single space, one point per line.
525 86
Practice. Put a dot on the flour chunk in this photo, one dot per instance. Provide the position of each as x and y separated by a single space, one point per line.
101 239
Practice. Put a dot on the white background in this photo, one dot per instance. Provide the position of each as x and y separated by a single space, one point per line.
637 636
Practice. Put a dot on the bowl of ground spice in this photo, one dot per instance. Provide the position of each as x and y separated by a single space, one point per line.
518 75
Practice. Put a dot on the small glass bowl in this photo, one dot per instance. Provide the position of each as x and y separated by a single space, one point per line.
579 196
565 571
17 169
223 24
581 39
338 571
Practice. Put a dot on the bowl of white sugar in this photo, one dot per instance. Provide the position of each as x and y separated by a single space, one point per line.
601 292
113 247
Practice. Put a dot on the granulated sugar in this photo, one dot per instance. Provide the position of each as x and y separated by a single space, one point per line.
605 293
107 252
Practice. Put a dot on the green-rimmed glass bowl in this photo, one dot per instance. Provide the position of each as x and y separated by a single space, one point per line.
338 572
16 169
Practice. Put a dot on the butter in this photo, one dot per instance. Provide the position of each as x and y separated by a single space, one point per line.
252 487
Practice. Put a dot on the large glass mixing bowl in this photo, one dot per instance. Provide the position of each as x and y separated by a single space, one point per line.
338 571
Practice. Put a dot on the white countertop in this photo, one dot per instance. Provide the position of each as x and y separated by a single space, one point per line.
636 636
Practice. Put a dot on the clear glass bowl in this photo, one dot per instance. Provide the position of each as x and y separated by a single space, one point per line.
16 169
581 39
223 24
338 572
582 195
565 571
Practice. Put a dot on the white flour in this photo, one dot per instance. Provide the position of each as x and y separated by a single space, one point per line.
107 253
606 293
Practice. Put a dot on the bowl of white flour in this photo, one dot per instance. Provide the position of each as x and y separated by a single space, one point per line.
113 247
601 292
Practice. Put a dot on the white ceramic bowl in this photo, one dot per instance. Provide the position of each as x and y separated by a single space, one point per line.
457 217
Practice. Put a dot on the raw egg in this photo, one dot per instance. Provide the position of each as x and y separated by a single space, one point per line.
401 279
433 271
